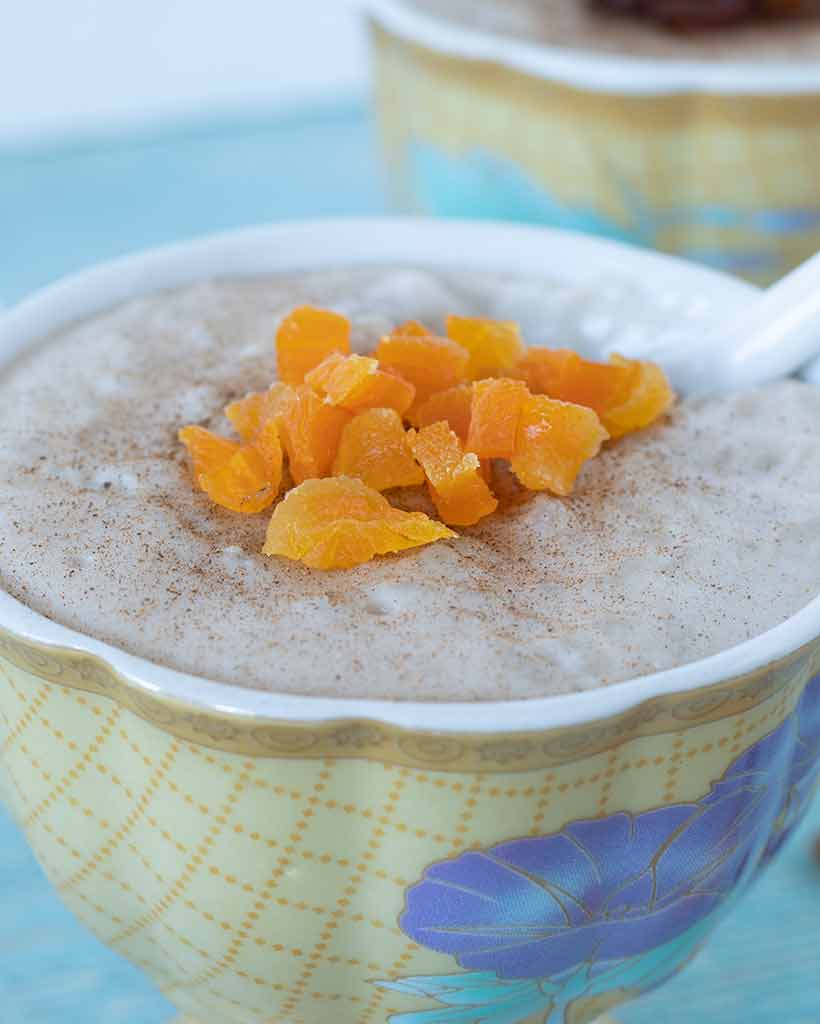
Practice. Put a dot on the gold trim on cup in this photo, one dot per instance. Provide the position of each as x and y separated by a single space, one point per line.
361 739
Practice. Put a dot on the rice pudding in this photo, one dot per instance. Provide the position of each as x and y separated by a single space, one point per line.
678 542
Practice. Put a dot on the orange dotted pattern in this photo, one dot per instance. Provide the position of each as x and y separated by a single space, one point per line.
266 889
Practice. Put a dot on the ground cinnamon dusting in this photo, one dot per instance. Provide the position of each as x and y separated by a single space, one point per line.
647 565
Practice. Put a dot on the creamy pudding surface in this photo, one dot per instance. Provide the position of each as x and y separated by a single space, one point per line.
577 25
679 541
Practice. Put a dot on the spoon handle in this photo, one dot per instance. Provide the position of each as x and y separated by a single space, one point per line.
779 333
775 335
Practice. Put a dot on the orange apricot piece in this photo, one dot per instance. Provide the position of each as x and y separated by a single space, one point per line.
647 399
389 390
340 522
627 394
495 411
310 429
206 449
412 329
373 448
495 346
269 445
235 476
277 399
554 441
542 368
337 375
242 484
453 406
306 337
429 364
356 383
253 418
455 478
249 413
563 374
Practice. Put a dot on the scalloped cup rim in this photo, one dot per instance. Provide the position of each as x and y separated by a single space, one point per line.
597 72
453 244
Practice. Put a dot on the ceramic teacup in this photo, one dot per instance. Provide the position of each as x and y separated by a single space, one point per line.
709 160
281 859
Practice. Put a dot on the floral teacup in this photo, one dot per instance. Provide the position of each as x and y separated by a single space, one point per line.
282 859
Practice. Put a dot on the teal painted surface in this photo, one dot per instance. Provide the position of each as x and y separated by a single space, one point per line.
51 970
762 965
61 210
64 209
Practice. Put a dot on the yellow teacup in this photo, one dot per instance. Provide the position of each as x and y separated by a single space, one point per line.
271 858
709 160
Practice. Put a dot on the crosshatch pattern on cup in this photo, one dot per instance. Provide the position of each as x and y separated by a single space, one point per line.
259 886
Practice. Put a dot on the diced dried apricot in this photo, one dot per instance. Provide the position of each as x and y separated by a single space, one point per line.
277 399
627 394
457 486
649 396
242 484
356 383
305 338
470 501
389 390
475 396
374 449
247 414
269 445
254 419
236 476
310 429
494 415
341 522
337 375
430 364
453 406
563 374
206 449
495 346
413 329
554 441
543 368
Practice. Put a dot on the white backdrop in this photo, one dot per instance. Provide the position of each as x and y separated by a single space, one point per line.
81 66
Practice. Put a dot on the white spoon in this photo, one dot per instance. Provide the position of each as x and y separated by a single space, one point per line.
776 335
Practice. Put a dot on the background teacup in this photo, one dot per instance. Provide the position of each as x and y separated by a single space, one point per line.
702 158
279 858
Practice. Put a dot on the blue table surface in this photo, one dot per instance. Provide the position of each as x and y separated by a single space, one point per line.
65 207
